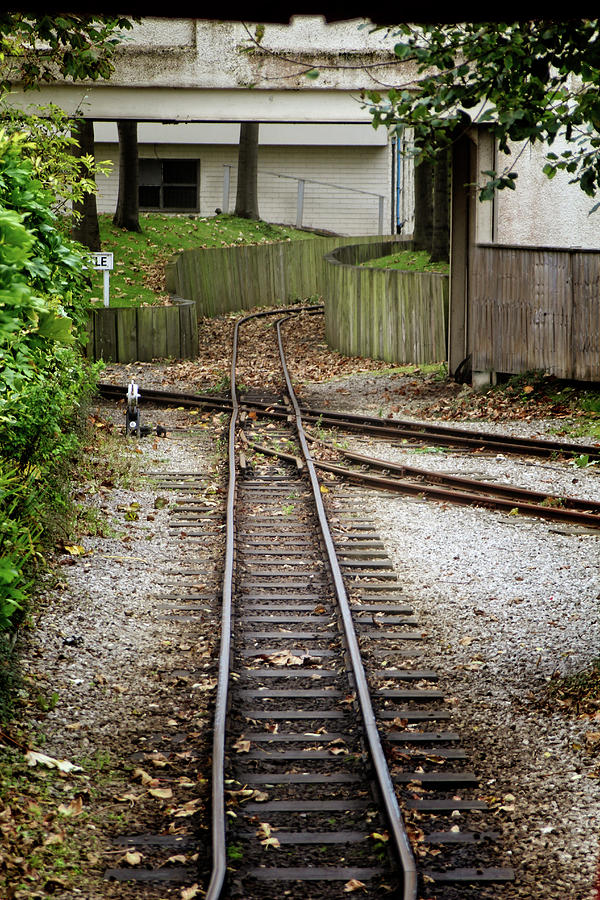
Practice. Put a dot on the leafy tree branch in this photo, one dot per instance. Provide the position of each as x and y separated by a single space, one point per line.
534 81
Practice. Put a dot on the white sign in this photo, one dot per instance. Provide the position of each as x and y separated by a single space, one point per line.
102 261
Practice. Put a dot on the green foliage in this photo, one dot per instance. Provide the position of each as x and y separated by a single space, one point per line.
50 150
41 273
408 261
42 376
38 48
530 81
18 534
140 258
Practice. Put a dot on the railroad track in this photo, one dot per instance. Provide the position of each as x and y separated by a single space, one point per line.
325 689
411 480
335 766
405 431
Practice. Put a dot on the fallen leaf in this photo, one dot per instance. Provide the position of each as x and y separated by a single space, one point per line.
354 885
271 842
242 746
144 777
159 760
161 793
188 809
75 549
285 658
132 857
73 809
56 838
34 758
264 830
190 892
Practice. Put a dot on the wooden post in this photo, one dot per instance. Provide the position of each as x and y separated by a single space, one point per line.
459 253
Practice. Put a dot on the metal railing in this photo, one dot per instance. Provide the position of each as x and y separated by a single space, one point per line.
302 182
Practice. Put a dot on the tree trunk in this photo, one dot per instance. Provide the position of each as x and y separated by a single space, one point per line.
423 206
127 214
440 244
246 201
85 228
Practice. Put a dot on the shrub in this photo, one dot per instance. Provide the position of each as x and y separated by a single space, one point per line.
43 377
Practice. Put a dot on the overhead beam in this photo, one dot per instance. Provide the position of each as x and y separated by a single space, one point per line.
106 102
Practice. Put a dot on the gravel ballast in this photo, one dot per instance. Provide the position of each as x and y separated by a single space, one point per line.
508 603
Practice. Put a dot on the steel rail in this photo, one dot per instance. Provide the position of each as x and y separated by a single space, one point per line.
388 794
465 498
480 493
219 860
449 436
393 428
469 484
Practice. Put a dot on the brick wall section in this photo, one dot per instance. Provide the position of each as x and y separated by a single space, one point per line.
339 210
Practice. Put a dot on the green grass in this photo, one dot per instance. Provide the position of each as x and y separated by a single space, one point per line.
408 261
139 258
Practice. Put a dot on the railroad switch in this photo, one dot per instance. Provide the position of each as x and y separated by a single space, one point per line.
132 416
133 424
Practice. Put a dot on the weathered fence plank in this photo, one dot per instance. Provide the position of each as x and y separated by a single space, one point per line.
535 308
226 279
126 327
384 313
131 334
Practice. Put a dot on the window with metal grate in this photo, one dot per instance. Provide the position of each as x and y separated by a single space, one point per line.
169 184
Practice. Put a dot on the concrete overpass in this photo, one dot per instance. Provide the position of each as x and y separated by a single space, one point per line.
188 81
196 70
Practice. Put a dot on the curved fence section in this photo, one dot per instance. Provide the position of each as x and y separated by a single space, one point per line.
384 313
228 279
144 333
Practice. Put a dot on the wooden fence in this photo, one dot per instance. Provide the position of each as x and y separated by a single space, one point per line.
535 308
226 279
143 333
384 313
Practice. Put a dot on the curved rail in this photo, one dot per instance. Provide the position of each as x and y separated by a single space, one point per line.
426 432
219 863
386 787
219 866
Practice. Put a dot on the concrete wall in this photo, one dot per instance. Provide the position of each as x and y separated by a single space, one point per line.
540 212
215 54
201 70
544 212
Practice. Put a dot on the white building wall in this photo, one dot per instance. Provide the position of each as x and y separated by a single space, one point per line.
337 209
544 212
